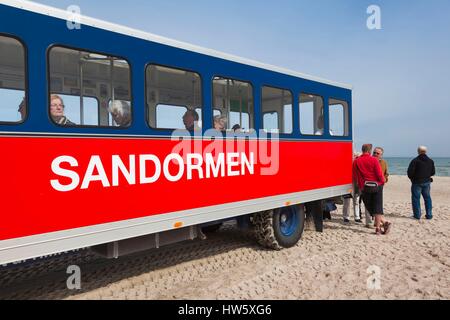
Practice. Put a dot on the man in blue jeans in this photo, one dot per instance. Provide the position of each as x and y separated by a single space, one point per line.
420 171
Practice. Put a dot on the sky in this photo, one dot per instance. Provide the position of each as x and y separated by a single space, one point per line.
400 74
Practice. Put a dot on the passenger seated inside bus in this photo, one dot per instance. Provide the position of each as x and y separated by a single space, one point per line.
190 120
319 131
121 113
220 123
57 111
237 128
22 109
320 126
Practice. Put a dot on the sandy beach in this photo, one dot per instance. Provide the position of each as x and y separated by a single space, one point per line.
346 261
122 132
412 262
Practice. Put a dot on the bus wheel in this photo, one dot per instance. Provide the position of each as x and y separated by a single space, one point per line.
279 228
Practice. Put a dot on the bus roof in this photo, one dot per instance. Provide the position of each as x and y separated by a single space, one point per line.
88 21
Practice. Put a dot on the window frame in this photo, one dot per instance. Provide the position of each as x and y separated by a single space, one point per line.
48 76
169 131
300 116
262 111
168 105
26 78
346 123
86 96
213 107
262 121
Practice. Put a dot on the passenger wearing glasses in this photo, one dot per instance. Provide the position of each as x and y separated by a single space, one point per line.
57 111
378 153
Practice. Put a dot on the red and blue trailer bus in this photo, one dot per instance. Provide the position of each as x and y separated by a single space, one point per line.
119 140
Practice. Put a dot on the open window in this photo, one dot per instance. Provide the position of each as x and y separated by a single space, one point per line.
174 98
13 102
234 100
93 89
277 110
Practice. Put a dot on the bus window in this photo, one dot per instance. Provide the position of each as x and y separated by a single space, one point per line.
270 122
311 114
172 94
87 83
13 106
168 116
243 119
288 118
277 110
338 118
234 99
72 109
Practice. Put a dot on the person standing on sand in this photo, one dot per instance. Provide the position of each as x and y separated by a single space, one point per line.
367 172
420 171
355 196
378 153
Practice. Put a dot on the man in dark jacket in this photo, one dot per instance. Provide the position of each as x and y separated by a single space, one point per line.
420 171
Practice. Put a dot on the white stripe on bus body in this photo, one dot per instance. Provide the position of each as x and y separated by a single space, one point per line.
49 243
108 26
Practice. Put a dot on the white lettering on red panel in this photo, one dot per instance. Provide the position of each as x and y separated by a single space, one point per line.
173 168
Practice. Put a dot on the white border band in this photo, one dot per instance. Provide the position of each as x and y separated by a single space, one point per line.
50 243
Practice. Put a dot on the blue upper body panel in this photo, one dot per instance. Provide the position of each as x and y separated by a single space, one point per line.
39 33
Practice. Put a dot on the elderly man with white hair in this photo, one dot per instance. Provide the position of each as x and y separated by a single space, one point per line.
121 113
420 171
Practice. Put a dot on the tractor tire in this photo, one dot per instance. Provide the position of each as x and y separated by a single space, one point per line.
279 228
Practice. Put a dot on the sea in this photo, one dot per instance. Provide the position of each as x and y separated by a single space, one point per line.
399 166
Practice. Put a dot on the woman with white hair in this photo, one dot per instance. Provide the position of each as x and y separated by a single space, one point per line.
121 112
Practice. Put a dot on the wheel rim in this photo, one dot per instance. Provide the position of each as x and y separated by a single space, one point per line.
288 221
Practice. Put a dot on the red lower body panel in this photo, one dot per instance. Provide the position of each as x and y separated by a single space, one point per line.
32 205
